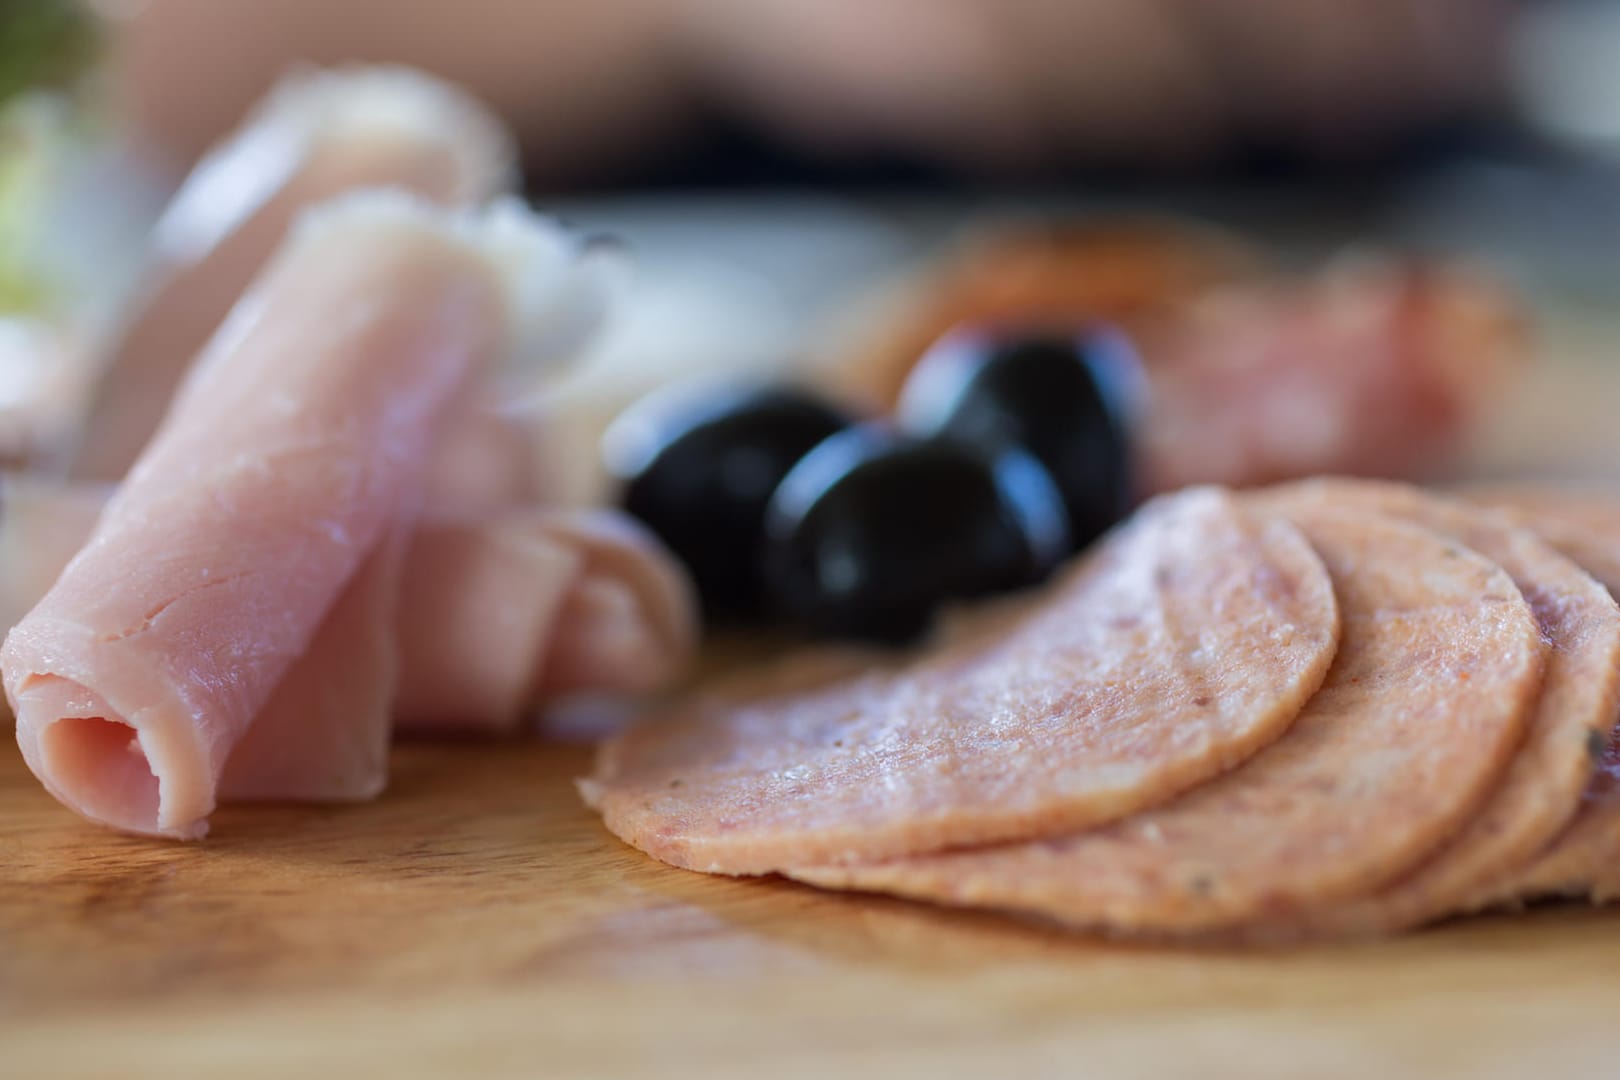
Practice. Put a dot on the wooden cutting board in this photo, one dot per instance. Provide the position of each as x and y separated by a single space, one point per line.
478 919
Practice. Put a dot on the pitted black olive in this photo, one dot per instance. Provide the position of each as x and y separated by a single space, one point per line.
872 531
1062 398
699 466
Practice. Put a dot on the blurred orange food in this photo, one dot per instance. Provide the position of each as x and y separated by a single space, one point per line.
1365 366
1034 277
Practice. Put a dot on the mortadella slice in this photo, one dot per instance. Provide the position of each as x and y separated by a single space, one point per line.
299 442
1368 368
1058 274
1185 644
317 135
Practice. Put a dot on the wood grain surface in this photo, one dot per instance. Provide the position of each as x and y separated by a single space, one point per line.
478 919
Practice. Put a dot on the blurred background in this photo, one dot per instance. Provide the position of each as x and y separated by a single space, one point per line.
887 91
771 162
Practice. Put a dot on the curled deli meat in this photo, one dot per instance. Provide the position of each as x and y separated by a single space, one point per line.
531 604
316 136
495 614
296 449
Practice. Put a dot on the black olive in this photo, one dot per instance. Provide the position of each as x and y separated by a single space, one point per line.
699 464
871 531
1062 398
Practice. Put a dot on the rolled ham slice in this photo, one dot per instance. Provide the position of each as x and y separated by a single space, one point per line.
629 624
495 614
502 613
317 135
324 734
487 460
301 440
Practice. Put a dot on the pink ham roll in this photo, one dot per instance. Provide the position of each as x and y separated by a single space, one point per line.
500 614
629 623
495 615
323 735
317 135
302 439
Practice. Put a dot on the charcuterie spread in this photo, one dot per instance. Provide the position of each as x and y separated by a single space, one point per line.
1111 596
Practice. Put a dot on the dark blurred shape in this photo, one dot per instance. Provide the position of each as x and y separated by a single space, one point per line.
44 44
1064 398
872 532
703 90
699 464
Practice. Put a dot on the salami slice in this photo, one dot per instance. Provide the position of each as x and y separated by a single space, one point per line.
1585 859
1185 644
1583 523
1541 790
1426 702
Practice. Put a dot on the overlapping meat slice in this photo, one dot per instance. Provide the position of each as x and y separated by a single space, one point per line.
316 136
630 619
1583 523
1184 645
1585 859
1541 790
299 443
1439 663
